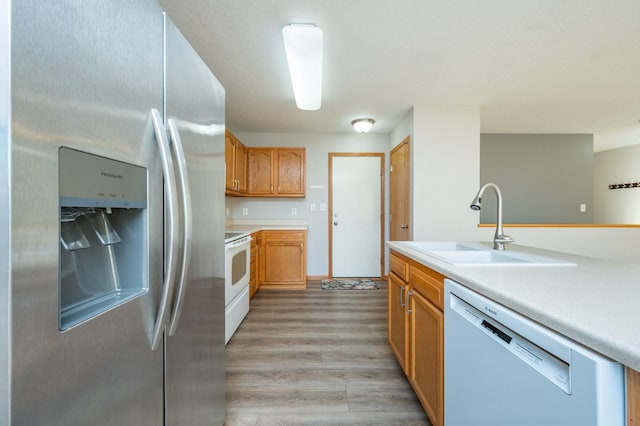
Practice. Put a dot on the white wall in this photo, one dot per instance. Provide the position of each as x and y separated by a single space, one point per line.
446 172
621 165
403 129
318 147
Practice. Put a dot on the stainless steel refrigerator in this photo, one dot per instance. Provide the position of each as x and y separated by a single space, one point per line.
111 218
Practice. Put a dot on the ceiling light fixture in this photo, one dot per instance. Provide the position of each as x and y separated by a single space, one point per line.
303 45
362 125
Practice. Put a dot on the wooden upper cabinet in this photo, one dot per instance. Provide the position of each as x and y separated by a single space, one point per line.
230 160
241 167
276 172
235 158
261 168
291 172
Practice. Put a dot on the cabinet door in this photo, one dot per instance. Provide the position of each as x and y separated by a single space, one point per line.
261 171
398 322
283 262
241 167
291 171
283 259
426 370
253 276
230 161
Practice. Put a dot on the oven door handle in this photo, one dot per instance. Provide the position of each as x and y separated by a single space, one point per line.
187 223
172 228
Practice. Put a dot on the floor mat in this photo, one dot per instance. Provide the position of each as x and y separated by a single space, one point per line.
349 284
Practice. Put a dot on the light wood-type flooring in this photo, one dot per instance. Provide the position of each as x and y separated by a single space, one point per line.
317 357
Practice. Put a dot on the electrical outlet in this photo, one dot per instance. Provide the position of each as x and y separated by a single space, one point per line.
245 211
227 212
294 211
323 207
312 207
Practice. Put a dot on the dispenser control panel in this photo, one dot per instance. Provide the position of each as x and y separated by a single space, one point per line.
88 180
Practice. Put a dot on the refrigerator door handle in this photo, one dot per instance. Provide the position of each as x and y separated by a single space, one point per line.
183 180
171 227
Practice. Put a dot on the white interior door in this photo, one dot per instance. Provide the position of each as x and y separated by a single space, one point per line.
356 215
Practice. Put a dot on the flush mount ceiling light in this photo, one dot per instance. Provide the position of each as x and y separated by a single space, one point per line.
362 125
303 45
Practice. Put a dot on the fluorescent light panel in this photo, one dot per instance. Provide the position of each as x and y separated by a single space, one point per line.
303 45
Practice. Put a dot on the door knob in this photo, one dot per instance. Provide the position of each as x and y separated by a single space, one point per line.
404 226
335 223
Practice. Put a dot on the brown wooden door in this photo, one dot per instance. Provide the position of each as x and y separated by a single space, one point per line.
261 171
230 160
399 192
426 371
290 170
398 323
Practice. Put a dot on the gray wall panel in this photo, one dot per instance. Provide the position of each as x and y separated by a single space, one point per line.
543 177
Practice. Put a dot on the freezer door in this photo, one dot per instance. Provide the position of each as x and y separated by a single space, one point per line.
195 351
84 76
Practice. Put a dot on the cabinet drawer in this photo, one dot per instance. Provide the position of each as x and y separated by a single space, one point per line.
428 283
399 266
284 235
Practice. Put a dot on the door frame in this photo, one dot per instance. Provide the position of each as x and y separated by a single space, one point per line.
381 156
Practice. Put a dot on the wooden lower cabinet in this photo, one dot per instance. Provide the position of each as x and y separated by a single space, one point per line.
416 336
253 265
416 330
283 260
398 320
633 397
426 360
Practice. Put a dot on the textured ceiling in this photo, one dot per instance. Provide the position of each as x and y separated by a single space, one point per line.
529 65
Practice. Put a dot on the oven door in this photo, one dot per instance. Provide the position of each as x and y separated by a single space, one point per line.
237 260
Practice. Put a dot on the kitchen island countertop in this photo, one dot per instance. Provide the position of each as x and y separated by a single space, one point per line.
595 302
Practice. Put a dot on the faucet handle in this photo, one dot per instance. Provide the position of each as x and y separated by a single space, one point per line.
500 240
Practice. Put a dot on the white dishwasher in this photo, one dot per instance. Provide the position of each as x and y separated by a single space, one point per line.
502 369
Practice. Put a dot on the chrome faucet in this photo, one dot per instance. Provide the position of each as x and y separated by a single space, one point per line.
499 239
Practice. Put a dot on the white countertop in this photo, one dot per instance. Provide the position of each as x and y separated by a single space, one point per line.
596 302
266 224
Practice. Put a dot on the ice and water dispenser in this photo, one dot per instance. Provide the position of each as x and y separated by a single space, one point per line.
103 235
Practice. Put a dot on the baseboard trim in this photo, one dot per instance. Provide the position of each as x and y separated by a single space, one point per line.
317 277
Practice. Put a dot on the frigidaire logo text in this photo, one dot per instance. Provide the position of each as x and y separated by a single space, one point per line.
111 175
491 311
